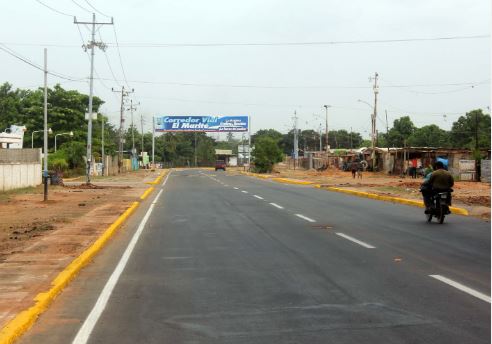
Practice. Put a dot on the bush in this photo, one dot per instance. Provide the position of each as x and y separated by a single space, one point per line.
57 164
266 153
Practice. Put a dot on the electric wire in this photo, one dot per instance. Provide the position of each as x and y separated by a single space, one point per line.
260 44
54 9
80 6
108 63
119 55
32 64
95 9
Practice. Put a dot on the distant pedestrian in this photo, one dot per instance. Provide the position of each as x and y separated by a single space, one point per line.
353 168
360 168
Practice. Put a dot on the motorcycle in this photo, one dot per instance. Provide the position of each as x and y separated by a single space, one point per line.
440 206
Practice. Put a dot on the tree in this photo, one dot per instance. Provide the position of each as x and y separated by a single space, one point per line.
429 136
464 130
402 129
274 134
266 153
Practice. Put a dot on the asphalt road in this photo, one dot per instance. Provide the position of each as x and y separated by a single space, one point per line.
233 259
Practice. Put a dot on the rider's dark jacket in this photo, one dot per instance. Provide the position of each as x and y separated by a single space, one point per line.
441 180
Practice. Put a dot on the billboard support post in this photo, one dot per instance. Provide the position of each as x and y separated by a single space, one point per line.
153 141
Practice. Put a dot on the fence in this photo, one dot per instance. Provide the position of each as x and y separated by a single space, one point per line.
19 168
485 171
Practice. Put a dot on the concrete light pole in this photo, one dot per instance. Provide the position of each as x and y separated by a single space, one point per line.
70 133
38 131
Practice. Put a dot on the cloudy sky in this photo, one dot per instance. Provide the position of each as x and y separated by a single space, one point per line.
178 58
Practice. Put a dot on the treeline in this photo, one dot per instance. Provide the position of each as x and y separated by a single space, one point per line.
66 109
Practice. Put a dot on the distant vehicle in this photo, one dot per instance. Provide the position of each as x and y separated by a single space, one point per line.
220 165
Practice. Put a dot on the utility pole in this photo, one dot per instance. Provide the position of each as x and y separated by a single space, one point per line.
102 145
153 141
320 139
45 147
141 127
195 150
122 124
92 43
133 126
326 128
386 111
296 149
373 120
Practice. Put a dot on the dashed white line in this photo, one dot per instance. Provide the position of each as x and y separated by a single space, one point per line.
235 188
226 185
277 206
462 287
259 197
305 218
244 191
361 243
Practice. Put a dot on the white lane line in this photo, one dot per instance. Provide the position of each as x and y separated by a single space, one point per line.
361 243
244 191
235 188
90 322
226 185
277 206
305 218
462 287
259 197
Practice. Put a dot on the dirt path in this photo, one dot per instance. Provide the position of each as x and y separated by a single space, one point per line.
38 239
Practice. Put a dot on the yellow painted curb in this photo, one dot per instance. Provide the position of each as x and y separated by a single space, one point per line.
24 320
158 179
412 202
146 193
292 181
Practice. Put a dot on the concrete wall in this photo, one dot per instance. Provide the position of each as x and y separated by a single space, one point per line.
16 175
485 171
15 155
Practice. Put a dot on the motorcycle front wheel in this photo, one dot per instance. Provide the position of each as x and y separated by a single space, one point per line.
442 212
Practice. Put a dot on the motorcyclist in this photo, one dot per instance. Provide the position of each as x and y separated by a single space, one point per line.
439 181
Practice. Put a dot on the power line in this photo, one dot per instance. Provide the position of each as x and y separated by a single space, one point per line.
165 45
260 44
54 9
121 60
108 63
95 9
80 6
32 64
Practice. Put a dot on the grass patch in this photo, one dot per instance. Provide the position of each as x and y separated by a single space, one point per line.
6 195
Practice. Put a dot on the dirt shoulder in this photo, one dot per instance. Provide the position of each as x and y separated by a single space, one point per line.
38 239
473 196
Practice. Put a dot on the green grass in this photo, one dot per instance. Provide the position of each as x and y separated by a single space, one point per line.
5 195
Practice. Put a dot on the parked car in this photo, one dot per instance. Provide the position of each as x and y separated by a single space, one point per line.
220 165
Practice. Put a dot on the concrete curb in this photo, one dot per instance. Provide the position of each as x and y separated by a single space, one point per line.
24 320
147 193
454 210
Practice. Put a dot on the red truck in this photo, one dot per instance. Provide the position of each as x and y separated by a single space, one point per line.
220 165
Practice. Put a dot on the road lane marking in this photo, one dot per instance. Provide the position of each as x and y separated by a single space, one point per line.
244 191
361 243
235 188
90 322
305 218
259 197
277 206
226 185
462 287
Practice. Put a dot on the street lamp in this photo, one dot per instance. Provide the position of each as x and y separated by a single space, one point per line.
70 133
38 131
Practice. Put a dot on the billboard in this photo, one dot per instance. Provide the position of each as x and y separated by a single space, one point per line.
202 123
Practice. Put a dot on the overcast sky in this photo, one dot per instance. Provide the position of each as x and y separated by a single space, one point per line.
279 79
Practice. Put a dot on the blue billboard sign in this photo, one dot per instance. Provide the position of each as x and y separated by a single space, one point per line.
202 123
